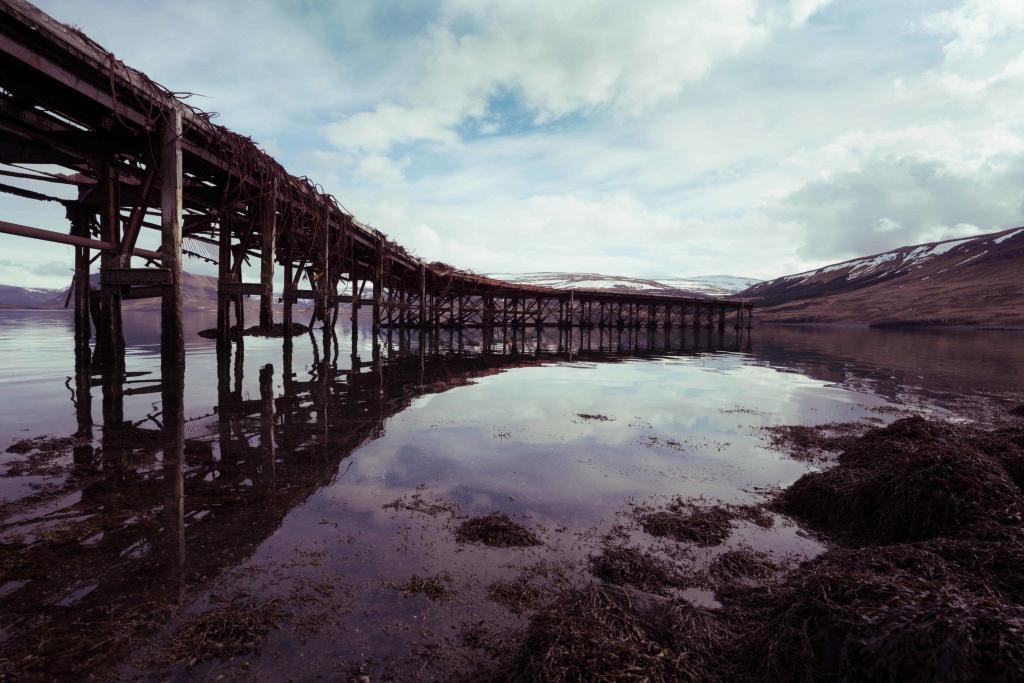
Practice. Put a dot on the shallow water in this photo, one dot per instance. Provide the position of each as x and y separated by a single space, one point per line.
282 484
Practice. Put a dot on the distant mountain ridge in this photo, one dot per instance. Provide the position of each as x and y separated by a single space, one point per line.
701 286
969 281
27 297
200 293
201 290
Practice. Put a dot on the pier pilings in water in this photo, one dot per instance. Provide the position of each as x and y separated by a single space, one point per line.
150 169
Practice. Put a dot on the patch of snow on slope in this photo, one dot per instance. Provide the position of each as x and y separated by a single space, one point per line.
943 247
971 258
865 266
1000 240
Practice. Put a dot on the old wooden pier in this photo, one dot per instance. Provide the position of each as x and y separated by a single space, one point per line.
139 158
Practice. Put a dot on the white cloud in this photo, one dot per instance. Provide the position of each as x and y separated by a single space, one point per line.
559 59
380 169
802 10
886 224
913 185
388 124
613 234
973 26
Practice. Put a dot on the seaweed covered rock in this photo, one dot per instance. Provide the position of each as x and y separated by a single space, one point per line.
913 480
891 614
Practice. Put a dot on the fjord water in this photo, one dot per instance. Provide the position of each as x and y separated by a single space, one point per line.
293 465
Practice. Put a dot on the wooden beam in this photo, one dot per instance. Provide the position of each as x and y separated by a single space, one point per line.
73 240
131 231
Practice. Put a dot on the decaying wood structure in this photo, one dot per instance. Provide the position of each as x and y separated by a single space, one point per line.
142 159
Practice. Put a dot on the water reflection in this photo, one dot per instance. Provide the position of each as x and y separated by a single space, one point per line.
107 530
268 464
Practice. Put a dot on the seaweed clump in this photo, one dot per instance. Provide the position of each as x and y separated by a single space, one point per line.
623 565
235 627
811 442
496 530
690 524
690 521
419 504
741 564
518 595
432 587
606 634
913 480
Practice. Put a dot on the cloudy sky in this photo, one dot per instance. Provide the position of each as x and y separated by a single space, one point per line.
674 138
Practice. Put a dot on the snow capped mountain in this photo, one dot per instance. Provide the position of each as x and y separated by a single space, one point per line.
960 281
700 286
860 272
896 262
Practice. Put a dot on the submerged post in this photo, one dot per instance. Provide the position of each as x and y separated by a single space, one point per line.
172 340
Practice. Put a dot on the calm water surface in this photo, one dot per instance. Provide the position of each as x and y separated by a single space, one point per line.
114 541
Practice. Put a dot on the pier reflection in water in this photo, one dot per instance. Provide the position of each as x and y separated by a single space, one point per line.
170 498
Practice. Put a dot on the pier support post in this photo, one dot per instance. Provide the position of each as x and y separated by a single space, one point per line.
289 286
83 327
423 295
268 231
172 340
378 280
109 333
223 275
